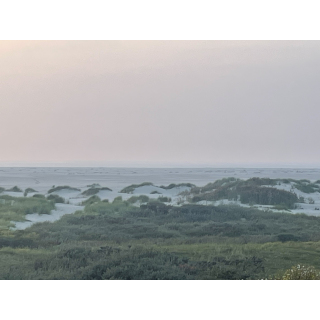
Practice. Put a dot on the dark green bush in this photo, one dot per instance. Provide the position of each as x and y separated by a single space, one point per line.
174 185
54 189
91 200
14 189
164 199
307 188
132 187
41 196
93 191
141 198
55 198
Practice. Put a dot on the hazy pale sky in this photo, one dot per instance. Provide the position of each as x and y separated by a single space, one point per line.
160 102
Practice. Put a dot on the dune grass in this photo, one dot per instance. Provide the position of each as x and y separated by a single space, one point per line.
16 208
95 190
174 185
141 199
157 241
55 198
14 189
132 187
91 200
55 189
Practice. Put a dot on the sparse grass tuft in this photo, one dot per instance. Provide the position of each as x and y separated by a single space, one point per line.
132 187
55 198
94 190
164 199
174 185
14 189
141 199
91 200
54 189
155 192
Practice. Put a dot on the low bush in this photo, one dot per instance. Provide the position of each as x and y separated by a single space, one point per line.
28 190
164 199
55 189
141 198
94 190
55 198
14 189
132 187
117 199
38 195
91 200
174 185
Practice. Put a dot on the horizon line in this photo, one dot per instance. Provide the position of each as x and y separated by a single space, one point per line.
121 164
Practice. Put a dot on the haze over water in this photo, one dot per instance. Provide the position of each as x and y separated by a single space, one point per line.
43 178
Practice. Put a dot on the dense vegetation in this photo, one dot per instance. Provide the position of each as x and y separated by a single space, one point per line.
55 198
141 199
251 191
158 241
16 208
147 238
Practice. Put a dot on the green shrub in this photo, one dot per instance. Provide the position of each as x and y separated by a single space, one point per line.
307 188
94 185
38 195
268 196
94 190
249 191
28 190
91 200
117 199
132 187
174 185
54 189
55 198
25 206
141 198
14 189
164 199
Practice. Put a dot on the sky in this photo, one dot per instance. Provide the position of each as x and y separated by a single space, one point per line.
160 103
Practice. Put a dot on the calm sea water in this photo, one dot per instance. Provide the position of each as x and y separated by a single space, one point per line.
43 178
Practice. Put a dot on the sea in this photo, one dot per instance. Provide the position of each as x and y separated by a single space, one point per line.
42 178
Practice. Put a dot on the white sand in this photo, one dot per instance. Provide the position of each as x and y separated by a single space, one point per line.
61 209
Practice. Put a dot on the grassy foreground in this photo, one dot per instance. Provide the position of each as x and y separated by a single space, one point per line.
157 241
